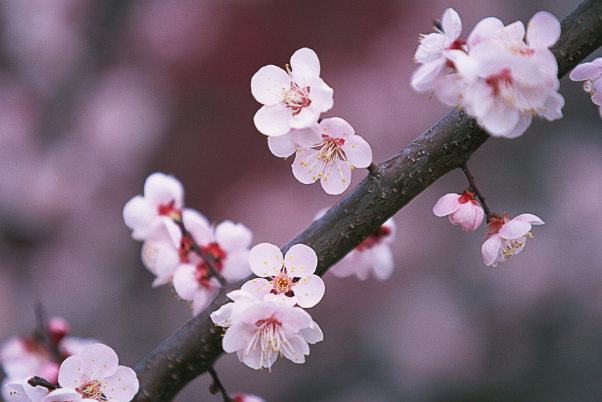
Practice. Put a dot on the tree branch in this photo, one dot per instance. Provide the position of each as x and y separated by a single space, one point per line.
387 189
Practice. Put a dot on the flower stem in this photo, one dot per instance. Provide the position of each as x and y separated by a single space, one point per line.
40 382
217 385
473 187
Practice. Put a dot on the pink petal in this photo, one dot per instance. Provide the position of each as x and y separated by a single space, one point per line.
101 361
451 24
447 204
500 120
306 137
203 297
336 178
431 48
160 188
138 215
198 226
425 76
233 236
312 334
586 71
257 287
184 281
307 165
282 146
300 261
336 127
270 84
62 394
321 96
122 386
468 215
307 117
236 265
273 120
383 261
514 229
305 67
543 30
295 349
524 122
483 30
266 260
358 151
529 218
491 249
309 291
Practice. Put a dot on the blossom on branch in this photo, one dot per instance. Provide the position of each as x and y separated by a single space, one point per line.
163 199
291 276
260 330
590 73
292 99
508 237
462 209
329 152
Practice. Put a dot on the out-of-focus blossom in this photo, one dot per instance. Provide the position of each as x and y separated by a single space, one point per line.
590 73
462 209
330 153
503 77
508 237
269 327
373 255
430 53
291 99
163 198
227 245
247 398
23 391
25 356
291 276
94 374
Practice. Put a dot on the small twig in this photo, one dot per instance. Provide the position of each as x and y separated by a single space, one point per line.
217 386
40 382
474 187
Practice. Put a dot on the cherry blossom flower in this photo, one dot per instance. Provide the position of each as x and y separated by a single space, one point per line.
430 52
373 255
293 98
508 237
462 209
247 398
227 245
291 275
94 374
590 73
267 328
330 153
23 391
163 198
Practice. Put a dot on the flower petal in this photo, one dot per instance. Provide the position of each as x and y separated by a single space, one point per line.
184 281
451 24
305 67
273 120
282 146
490 250
309 291
307 165
121 386
100 360
257 287
543 30
358 151
586 71
269 85
447 204
300 261
382 261
233 236
339 180
266 260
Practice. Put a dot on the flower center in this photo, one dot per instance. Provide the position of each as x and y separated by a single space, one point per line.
374 238
91 390
170 210
512 247
500 81
282 283
297 98
203 273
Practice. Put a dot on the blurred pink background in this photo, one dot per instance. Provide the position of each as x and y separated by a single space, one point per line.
95 96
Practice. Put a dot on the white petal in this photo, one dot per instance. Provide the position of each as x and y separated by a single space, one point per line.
500 120
358 151
63 394
451 24
233 236
160 188
306 137
514 229
483 30
305 67
383 261
309 290
312 334
236 265
321 96
585 71
270 84
295 349
529 218
257 287
543 30
198 226
431 48
425 76
202 298
300 261
273 120
100 360
266 260
336 127
121 386
307 165
138 215
184 281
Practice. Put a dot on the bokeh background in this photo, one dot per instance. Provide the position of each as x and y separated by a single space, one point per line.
96 95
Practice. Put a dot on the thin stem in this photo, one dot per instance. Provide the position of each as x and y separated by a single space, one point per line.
217 385
40 382
474 187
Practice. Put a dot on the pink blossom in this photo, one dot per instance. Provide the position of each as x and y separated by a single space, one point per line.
508 237
290 276
293 98
94 374
163 198
227 244
590 73
247 398
373 255
330 153
22 391
267 328
462 209
430 52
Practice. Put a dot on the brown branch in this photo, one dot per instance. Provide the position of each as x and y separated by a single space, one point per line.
444 147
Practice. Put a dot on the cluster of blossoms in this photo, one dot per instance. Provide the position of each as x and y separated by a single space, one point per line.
93 374
293 100
501 75
263 320
508 237
39 354
181 246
